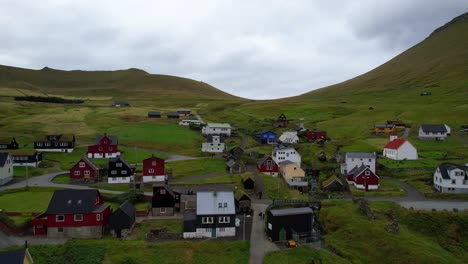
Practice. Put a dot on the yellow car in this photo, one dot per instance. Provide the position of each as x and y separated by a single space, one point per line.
291 244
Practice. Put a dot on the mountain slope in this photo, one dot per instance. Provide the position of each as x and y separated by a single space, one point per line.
131 83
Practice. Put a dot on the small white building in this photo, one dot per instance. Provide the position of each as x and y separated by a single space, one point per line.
400 149
434 132
353 159
289 137
449 178
283 153
214 144
6 168
217 129
187 122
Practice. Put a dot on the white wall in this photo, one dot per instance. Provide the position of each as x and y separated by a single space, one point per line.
353 162
6 172
286 154
159 178
406 151
114 180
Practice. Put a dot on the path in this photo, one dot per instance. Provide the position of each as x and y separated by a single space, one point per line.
259 242
8 241
259 186
200 118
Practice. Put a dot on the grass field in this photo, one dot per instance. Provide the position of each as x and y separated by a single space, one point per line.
303 255
33 200
65 179
184 168
277 189
386 188
172 226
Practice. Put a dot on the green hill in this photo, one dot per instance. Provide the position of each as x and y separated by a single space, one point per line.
121 84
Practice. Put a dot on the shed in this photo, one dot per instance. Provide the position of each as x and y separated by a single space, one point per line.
173 115
248 181
333 184
154 114
243 201
290 223
122 220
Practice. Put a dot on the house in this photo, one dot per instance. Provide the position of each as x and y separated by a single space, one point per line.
119 171
8 143
25 157
122 220
333 184
184 111
188 122
6 168
120 103
235 167
174 115
362 177
268 166
265 137
154 169
282 153
450 178
165 200
154 114
353 159
289 137
248 181
237 153
215 216
294 175
397 122
85 171
313 135
73 214
384 128
243 201
290 223
399 149
434 132
55 143
105 146
17 256
217 129
214 144
281 121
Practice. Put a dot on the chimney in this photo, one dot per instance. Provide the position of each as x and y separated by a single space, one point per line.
393 136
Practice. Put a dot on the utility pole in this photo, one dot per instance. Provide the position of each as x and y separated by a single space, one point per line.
27 183
243 228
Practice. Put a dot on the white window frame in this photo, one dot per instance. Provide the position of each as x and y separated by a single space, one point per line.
124 172
87 172
162 210
207 220
98 217
151 170
113 172
224 219
77 173
118 164
82 164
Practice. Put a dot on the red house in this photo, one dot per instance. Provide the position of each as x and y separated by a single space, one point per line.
268 166
313 135
184 111
363 178
85 171
154 169
105 146
73 214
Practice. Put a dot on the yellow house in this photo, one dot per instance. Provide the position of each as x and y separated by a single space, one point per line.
16 256
291 171
384 128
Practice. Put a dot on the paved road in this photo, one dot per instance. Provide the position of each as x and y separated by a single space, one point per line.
259 186
8 241
259 242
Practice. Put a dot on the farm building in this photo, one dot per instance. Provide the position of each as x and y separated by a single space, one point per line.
313 135
333 184
154 114
289 137
291 223
17 256
384 128
236 152
265 137
119 171
122 220
248 181
214 144
120 103
450 178
268 166
282 153
243 201
217 129
434 132
154 169
353 159
165 200
24 157
73 214
105 146
235 167
8 143
281 121
184 111
6 168
55 143
363 177
215 216
85 171
173 115
400 149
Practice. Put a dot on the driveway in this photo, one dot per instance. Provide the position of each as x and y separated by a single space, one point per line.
259 242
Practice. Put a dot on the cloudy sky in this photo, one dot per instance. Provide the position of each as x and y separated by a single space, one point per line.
254 49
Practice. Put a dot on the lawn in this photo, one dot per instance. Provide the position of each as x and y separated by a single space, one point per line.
184 168
226 179
33 200
65 179
386 188
277 189
172 226
303 255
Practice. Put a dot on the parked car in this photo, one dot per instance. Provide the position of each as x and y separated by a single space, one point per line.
291 244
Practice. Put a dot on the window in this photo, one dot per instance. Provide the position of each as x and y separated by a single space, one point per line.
370 160
367 173
77 173
222 229
113 172
87 172
82 164
208 230
220 205
453 181
153 163
224 219
78 217
110 148
151 170
60 229
124 172
207 220
98 217
118 164
225 204
63 144
39 144
162 210
47 144
59 218
100 148
162 191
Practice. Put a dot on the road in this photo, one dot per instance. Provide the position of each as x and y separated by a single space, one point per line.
200 118
259 242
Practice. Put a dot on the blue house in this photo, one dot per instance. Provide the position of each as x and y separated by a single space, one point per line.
265 137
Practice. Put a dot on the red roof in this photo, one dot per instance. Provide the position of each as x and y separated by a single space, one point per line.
395 144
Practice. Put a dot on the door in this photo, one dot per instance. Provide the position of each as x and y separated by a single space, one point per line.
282 234
213 232
118 233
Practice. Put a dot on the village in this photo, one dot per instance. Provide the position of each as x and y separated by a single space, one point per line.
243 210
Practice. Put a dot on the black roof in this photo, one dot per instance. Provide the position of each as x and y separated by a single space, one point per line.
262 160
114 139
167 187
291 211
13 256
3 158
172 114
446 167
124 216
72 201
190 221
154 113
121 160
434 128
209 138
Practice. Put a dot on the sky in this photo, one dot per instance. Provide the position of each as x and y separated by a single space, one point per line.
253 49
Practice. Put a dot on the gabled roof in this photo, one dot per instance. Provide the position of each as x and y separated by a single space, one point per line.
128 208
89 162
208 203
385 126
231 163
13 256
434 128
3 158
395 144
282 147
261 132
358 170
20 152
262 160
120 103
114 140
184 109
60 137
360 155
153 157
239 194
330 180
6 140
121 160
167 187
172 114
247 176
291 211
445 168
72 201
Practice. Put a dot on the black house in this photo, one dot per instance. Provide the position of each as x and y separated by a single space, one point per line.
165 200
55 143
248 181
174 115
25 157
119 170
8 143
333 184
17 256
291 223
122 220
154 114
243 201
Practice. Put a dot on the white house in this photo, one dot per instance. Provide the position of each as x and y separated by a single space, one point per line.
434 132
353 159
400 149
6 168
187 122
217 129
282 153
289 137
215 216
214 144
449 178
